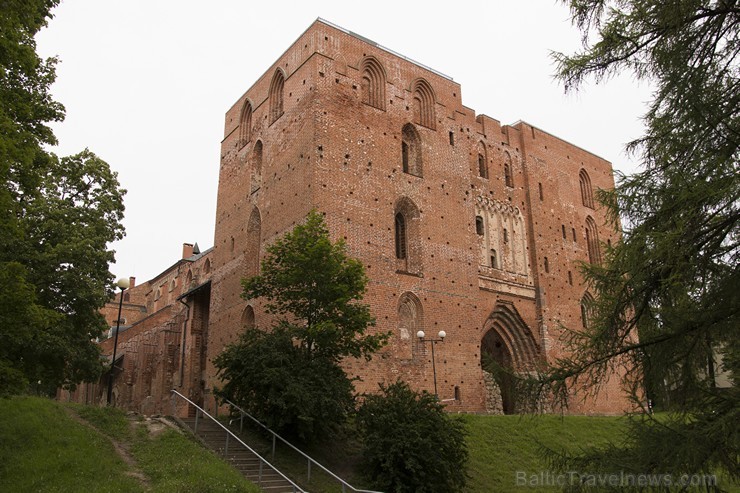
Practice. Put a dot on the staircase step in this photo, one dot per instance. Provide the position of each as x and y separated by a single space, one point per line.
242 459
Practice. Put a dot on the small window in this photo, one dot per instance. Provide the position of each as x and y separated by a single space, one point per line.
457 393
452 138
401 246
573 230
508 177
570 278
405 156
479 225
482 168
506 236
563 227
539 186
547 265
494 260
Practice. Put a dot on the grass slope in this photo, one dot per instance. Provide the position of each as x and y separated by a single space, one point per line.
44 449
502 446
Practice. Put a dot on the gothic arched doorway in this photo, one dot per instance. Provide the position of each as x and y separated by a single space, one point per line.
507 348
496 360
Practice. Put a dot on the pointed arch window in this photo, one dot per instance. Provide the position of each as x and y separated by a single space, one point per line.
245 124
592 241
423 102
407 236
373 83
410 321
247 318
254 238
587 194
401 245
482 161
277 87
479 229
587 303
508 176
411 151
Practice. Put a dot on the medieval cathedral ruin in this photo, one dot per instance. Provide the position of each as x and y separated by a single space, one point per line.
463 224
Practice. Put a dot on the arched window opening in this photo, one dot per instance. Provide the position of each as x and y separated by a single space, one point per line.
508 177
482 161
586 310
373 83
587 194
494 259
479 229
247 319
401 245
277 87
410 321
245 124
407 237
423 101
252 251
411 151
592 241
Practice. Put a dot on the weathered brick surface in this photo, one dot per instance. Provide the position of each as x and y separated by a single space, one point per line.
338 147
332 151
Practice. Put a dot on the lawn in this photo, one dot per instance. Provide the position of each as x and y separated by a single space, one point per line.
45 448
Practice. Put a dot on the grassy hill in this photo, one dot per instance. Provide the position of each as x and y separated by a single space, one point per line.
46 446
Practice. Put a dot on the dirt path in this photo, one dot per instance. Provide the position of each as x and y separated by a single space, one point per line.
121 449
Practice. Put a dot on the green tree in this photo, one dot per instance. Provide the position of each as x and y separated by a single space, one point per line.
57 218
289 375
667 305
410 444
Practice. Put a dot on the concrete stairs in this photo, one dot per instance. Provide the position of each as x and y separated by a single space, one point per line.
214 437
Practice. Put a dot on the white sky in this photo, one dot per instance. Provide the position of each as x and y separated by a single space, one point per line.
146 85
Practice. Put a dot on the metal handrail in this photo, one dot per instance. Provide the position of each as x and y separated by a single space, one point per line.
345 484
296 488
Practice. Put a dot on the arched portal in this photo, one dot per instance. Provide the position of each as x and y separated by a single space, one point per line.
496 359
507 348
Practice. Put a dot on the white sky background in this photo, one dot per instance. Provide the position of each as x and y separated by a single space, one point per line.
146 85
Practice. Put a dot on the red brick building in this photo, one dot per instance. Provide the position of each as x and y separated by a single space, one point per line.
464 224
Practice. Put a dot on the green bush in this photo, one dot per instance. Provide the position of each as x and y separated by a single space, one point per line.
284 386
410 444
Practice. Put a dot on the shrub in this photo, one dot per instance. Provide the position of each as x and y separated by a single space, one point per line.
409 443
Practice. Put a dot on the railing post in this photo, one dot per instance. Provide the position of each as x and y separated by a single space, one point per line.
273 446
226 448
260 474
309 471
241 422
197 413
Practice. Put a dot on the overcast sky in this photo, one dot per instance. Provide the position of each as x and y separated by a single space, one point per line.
146 85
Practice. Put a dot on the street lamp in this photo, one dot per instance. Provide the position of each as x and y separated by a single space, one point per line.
122 283
442 334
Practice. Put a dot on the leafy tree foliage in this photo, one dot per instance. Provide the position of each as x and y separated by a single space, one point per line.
410 444
667 306
57 217
283 386
289 376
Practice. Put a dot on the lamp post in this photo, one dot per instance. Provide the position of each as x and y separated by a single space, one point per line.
123 284
442 334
